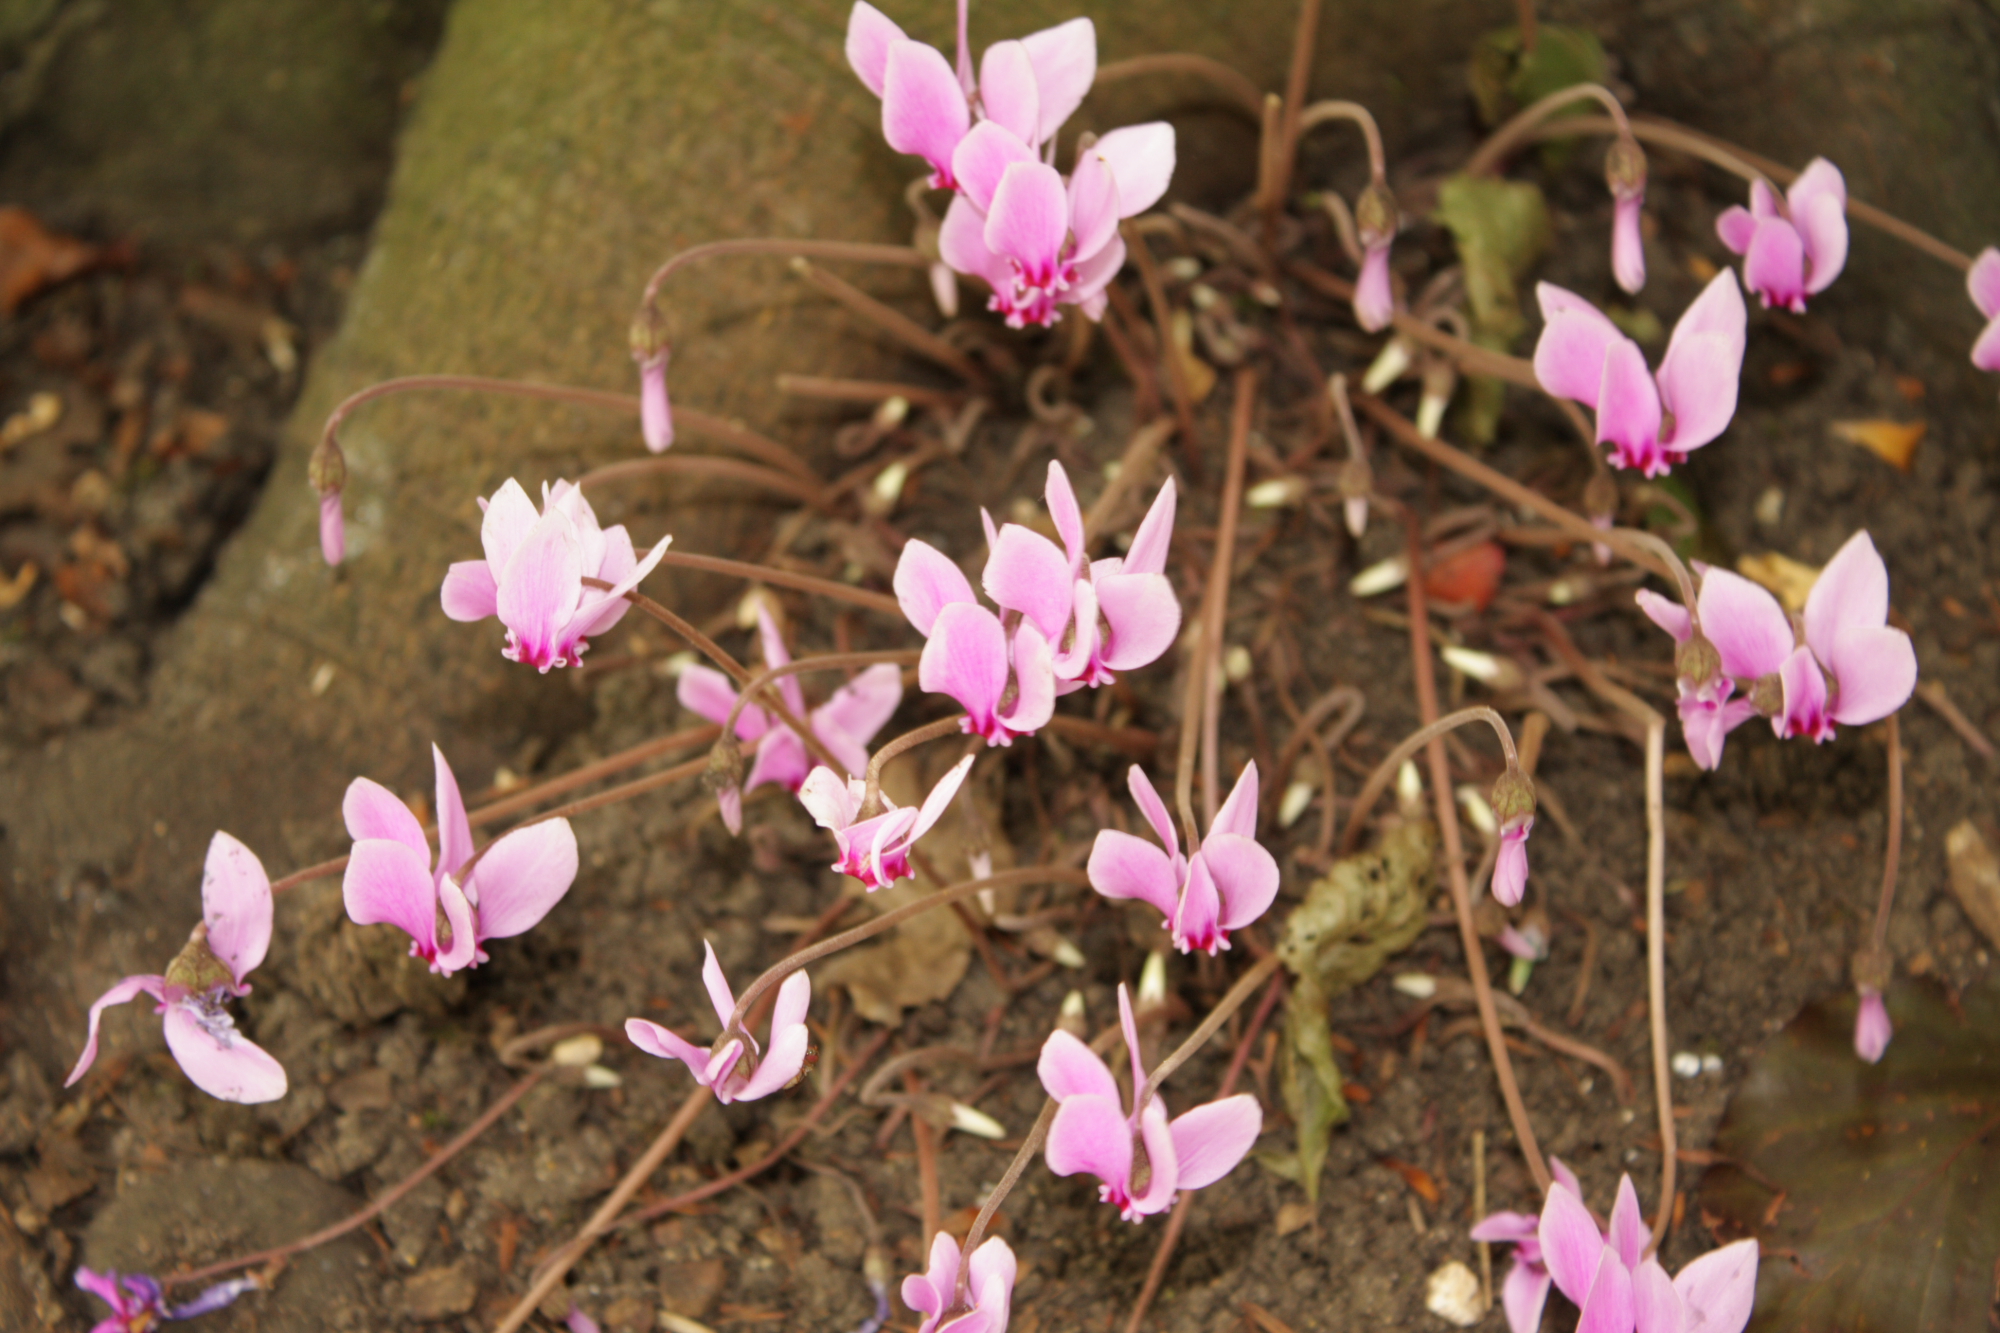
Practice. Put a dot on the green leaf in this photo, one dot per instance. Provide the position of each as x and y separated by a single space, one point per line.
1871 1188
1505 78
1502 228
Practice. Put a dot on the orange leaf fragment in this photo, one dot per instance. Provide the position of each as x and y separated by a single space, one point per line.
1415 1177
1468 577
1891 441
32 257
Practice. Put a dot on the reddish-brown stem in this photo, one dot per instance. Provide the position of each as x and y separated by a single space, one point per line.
1385 772
1525 16
892 322
1305 39
380 1203
925 1135
901 256
1321 113
1892 849
1523 123
1454 860
1163 327
703 465
1240 91
784 578
864 391
758 683
1261 971
909 740
1216 604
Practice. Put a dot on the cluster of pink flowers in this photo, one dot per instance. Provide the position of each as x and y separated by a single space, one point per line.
1038 240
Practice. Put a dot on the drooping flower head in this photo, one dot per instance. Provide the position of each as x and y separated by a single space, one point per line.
1625 175
1872 1028
1228 882
449 912
533 573
326 469
1375 228
1003 677
989 1287
1102 616
1795 249
1513 802
1620 1289
1651 423
138 1304
1982 283
739 1072
1142 1159
234 934
1526 1289
875 850
844 724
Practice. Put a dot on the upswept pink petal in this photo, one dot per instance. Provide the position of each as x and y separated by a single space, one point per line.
966 658
387 883
1523 1296
1627 1233
781 757
461 920
1628 407
1667 613
1072 663
656 413
1144 615
1029 220
454 830
1245 875
540 587
1876 670
1719 310
861 707
130 987
926 582
1197 919
1570 354
1155 810
1982 282
1210 1140
1628 246
523 876
469 591
1505 1228
373 811
1065 61
1164 1181
1698 385
704 691
1736 226
1571 1244
994 1269
510 517
619 568
219 1060
1853 590
1718 1289
236 905
1091 1134
1148 552
1093 274
1745 623
1763 203
832 801
1007 91
1775 265
1128 1026
1141 158
940 798
1705 724
720 997
1068 1068
1608 1306
1035 684
653 1039
1986 351
1805 699
962 245
931 1291
1029 573
1656 1305
1124 866
1564 1177
721 1064
923 108
1817 201
1059 497
982 158
1374 295
781 1063
777 655
870 34
1238 814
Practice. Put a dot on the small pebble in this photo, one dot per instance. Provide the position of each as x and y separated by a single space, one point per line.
1711 1064
1686 1064
1452 1294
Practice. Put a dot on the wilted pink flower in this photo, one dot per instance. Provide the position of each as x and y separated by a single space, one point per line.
875 850
1093 1132
656 415
533 573
1794 250
844 724
1982 282
737 1074
1005 680
1619 1289
1510 869
1582 355
989 1286
234 933
447 913
138 1304
1226 884
1872 1028
1100 616
1526 1289
332 529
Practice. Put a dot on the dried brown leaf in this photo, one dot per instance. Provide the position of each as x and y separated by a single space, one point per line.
1894 442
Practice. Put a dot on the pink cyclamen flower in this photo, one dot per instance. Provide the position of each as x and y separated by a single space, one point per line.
533 573
138 1304
1029 86
1510 868
1628 246
231 941
1099 616
1651 423
875 850
989 1287
1852 668
332 529
1526 1289
1227 883
656 414
1092 1132
448 912
1004 678
739 1072
1794 250
844 724
1872 1028
1620 1289
1040 242
1982 283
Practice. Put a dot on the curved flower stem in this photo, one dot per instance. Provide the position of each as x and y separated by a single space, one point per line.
893 322
945 726
1322 113
1470 356
847 939
784 578
1385 772
1038 1134
729 469
1215 610
827 662
1163 329
1522 125
612 796
1892 850
1683 580
903 256
1454 861
1246 985
379 1204
1237 87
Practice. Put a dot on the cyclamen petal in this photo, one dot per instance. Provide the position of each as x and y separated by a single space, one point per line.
1745 623
1982 282
1374 297
1872 1028
1718 1289
926 582
219 1060
1142 159
1210 1140
870 34
236 905
923 108
1007 91
1065 65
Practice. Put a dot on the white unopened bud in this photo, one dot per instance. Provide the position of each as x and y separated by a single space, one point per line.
1296 801
1477 812
1380 577
600 1078
1153 981
976 1122
1070 1018
1416 985
578 1051
1277 493
1409 791
1500 673
1390 363
886 490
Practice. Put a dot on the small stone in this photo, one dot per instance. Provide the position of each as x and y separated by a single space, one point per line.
1685 1064
439 1293
1452 1294
1711 1064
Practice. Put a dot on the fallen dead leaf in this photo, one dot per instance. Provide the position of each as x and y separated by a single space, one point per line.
1975 877
1293 1216
43 411
13 590
1789 579
1199 374
32 257
1415 1177
1894 442
1469 576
